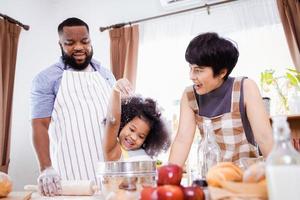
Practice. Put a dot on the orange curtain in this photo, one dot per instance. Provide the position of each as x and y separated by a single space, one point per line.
124 44
9 37
289 11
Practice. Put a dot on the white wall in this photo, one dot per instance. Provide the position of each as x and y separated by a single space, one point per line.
38 49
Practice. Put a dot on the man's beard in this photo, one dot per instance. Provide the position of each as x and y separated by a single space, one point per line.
70 61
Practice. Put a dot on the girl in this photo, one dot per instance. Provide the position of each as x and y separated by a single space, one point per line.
134 127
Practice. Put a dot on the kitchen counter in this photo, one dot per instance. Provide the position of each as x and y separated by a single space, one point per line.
218 193
36 196
18 196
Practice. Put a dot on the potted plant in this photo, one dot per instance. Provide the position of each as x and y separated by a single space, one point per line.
287 87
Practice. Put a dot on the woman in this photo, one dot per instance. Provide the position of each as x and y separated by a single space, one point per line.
233 104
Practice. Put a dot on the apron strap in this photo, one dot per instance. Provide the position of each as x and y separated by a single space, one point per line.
189 91
124 153
236 94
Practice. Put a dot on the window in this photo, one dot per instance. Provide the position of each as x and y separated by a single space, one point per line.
162 70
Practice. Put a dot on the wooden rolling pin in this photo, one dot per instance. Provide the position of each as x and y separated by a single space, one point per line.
71 188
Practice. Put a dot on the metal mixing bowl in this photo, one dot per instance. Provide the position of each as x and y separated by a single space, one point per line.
124 180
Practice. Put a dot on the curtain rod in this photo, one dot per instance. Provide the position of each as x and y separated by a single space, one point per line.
207 6
11 20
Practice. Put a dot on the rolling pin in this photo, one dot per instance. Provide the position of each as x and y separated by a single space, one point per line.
72 188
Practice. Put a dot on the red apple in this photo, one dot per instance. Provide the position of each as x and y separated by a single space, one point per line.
149 193
169 174
193 193
170 192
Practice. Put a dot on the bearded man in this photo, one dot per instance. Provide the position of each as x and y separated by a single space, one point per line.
68 103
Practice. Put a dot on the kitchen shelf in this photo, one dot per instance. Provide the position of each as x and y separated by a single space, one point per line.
294 122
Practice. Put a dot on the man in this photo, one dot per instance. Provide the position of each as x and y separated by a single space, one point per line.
69 101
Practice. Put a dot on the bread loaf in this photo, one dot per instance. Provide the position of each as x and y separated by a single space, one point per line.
224 171
5 185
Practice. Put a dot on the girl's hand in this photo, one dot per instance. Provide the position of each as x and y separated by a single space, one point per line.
124 87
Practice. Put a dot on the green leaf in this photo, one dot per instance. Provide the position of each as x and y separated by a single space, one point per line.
298 78
269 78
295 73
292 79
292 70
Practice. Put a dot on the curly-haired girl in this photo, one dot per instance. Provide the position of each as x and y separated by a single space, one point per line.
134 127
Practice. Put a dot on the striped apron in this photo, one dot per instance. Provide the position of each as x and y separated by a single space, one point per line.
228 128
76 127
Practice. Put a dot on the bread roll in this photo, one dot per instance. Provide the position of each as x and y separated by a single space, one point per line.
255 173
224 171
5 185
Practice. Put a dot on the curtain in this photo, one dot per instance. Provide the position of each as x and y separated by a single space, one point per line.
9 37
289 11
124 52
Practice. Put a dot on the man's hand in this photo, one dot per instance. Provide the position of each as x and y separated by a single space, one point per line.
49 182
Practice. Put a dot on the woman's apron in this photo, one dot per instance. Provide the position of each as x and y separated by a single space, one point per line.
76 128
228 127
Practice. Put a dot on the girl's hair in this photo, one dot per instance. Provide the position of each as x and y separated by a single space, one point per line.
158 138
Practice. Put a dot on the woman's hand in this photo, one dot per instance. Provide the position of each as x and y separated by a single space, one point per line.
124 87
